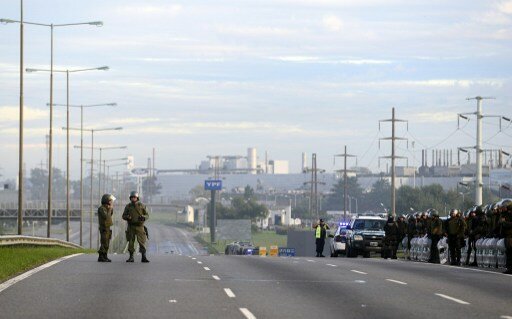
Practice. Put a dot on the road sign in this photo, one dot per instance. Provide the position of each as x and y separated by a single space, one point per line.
140 171
286 252
213 185
263 251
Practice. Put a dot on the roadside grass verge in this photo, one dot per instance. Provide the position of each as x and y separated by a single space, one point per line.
261 238
18 259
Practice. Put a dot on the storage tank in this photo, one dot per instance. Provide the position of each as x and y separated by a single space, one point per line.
252 160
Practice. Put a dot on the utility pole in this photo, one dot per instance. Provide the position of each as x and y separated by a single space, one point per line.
478 147
345 197
313 203
393 156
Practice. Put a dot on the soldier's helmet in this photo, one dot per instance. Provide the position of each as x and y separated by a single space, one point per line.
134 194
488 210
107 198
478 210
434 213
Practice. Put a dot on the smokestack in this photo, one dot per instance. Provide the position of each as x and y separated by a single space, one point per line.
433 158
422 158
304 162
451 157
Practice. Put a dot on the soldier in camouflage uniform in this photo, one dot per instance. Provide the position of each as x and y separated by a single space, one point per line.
135 214
105 212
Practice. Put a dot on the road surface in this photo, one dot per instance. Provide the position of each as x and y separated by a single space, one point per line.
202 286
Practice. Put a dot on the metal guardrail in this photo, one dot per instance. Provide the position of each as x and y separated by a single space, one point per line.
13 240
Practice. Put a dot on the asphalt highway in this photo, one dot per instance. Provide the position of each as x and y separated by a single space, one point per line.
177 285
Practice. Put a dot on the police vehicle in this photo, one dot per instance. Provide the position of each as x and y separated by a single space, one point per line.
338 241
365 234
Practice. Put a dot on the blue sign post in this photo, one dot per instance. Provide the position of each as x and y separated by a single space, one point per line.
213 185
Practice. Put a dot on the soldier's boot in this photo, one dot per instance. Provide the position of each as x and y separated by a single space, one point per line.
101 259
144 259
130 260
106 258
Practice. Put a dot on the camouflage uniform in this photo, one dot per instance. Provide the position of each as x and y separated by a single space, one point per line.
104 222
105 212
136 214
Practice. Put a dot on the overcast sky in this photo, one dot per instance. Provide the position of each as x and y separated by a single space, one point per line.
195 78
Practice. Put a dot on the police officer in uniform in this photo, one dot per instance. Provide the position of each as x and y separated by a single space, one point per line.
391 238
411 233
320 234
135 214
505 224
471 236
105 212
436 232
455 227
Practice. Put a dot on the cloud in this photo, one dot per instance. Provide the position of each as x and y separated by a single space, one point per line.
12 114
464 83
332 23
150 10
134 120
322 60
505 7
257 31
434 117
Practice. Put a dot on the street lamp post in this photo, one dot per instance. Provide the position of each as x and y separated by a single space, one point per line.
99 174
92 169
67 71
50 146
82 155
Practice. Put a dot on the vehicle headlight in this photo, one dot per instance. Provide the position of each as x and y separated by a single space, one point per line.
358 237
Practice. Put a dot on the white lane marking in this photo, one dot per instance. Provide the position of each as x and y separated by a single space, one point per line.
359 272
360 281
216 277
29 273
193 258
331 265
311 261
229 293
247 313
506 317
206 268
173 301
199 262
396 281
462 302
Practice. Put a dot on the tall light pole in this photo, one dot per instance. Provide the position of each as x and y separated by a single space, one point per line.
101 149
67 71
82 155
50 173
92 169
114 165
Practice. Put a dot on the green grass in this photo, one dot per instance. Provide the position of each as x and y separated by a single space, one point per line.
18 259
269 238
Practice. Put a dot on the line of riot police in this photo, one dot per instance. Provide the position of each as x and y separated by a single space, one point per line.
480 237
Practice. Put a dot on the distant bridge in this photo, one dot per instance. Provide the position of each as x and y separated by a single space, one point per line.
39 214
